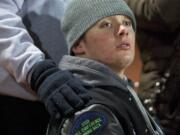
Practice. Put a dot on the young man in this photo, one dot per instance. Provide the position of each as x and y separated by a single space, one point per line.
101 36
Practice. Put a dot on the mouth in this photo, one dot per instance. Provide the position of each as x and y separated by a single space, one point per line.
123 46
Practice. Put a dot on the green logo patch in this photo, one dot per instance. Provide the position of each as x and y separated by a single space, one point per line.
89 123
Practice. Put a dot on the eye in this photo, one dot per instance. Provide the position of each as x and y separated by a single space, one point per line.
127 23
106 25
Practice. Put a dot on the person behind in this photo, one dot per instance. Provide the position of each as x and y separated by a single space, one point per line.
158 38
100 35
26 75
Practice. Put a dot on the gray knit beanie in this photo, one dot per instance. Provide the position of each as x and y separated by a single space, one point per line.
80 15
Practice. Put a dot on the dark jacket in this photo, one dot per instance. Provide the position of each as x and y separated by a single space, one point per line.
158 38
120 102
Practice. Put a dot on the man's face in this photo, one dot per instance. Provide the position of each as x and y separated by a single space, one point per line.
110 41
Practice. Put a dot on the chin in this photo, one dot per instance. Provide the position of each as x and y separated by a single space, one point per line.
127 62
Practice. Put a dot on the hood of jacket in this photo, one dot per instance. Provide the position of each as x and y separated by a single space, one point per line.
92 72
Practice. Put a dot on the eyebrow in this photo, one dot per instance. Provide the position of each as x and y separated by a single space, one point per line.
104 20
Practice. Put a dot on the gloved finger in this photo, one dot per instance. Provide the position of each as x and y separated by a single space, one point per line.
52 109
80 90
73 99
76 86
61 104
85 97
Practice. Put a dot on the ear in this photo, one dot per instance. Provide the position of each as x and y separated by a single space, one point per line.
78 49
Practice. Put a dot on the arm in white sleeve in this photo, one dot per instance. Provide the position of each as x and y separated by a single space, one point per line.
17 51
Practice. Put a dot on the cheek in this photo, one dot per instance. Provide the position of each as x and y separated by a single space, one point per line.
105 40
133 38
101 39
101 52
100 46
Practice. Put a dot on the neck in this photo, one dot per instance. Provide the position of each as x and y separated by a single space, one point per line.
119 72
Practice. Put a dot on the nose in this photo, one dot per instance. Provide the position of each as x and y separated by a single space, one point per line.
122 30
